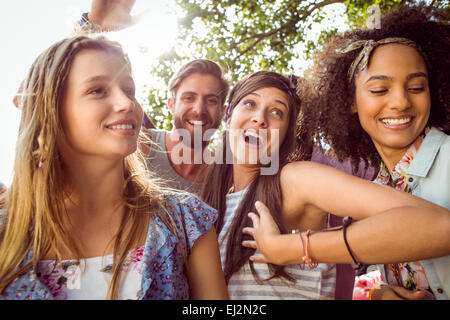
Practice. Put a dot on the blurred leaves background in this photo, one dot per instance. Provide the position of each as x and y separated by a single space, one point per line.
249 35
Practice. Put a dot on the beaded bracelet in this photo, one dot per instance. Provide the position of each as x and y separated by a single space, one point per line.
359 268
306 258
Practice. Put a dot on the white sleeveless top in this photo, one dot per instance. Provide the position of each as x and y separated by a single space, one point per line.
89 280
318 283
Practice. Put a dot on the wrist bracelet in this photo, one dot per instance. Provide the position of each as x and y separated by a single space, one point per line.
312 264
359 267
302 266
306 258
88 26
376 286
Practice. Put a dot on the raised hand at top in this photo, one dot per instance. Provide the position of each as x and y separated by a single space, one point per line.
111 14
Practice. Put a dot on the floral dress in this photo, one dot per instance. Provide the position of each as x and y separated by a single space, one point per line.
158 266
410 275
88 280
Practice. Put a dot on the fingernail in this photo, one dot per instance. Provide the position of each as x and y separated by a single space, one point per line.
257 204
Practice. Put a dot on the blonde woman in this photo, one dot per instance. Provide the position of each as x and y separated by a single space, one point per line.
81 218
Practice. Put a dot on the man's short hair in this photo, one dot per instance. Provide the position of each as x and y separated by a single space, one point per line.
201 66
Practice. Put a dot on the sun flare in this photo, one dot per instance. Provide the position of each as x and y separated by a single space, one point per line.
154 33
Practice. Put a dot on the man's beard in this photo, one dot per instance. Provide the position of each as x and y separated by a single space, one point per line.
179 123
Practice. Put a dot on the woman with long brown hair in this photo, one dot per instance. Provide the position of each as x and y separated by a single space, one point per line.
260 133
82 218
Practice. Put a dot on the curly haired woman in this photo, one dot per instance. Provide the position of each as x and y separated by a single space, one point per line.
383 98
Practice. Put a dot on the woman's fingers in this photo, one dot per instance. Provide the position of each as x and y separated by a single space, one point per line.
266 221
255 219
249 231
412 295
259 258
249 244
262 208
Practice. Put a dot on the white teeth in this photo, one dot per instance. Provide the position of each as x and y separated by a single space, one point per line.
121 127
253 138
251 133
196 122
396 121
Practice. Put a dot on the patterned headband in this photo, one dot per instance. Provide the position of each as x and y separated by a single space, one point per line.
362 60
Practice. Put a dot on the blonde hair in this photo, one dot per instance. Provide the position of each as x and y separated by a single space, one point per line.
34 210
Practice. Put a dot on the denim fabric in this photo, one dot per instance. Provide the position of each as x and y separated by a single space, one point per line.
428 176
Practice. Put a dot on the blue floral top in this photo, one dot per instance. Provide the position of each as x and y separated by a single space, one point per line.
163 264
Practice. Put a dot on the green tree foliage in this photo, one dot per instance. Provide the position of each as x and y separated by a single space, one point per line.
249 35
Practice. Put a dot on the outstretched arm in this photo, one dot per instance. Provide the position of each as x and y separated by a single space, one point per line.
400 234
206 279
311 190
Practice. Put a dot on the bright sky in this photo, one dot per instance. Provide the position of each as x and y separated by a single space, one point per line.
29 27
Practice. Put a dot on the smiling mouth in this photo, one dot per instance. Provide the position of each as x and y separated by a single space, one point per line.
253 139
396 121
122 127
196 122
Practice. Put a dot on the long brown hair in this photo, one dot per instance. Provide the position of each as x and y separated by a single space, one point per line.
265 188
34 211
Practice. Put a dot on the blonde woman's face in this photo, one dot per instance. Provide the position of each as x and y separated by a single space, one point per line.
99 113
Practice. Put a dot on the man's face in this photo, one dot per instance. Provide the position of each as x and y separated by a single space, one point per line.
197 104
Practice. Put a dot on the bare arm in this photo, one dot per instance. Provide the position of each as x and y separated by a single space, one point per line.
401 234
310 189
206 279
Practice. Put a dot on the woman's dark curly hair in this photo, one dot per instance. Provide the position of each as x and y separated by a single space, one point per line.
331 108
